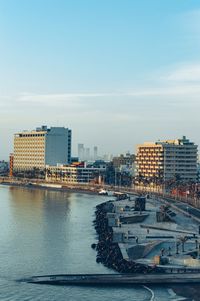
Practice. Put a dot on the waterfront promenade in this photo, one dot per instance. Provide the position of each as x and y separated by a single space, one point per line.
186 205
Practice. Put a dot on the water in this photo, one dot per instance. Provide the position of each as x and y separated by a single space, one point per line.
51 232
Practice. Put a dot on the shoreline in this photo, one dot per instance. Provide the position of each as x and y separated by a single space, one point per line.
180 290
64 189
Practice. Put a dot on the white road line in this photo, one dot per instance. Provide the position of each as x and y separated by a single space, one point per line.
152 292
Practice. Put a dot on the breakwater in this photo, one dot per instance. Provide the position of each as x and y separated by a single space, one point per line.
108 252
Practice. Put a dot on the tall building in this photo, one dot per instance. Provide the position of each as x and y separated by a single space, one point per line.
81 151
87 154
95 153
41 147
166 160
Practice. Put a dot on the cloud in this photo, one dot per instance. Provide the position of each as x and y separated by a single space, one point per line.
29 97
173 84
185 73
178 85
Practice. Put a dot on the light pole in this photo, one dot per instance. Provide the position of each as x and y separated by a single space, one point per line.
115 178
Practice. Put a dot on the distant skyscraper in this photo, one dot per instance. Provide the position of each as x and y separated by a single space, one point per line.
81 151
95 153
87 154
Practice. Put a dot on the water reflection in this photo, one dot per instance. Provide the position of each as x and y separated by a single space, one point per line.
47 232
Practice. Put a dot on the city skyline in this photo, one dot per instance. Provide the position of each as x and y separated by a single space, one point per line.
116 72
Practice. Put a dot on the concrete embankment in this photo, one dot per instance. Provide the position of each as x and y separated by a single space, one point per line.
109 252
115 279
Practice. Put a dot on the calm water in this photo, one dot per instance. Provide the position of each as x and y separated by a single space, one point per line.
49 232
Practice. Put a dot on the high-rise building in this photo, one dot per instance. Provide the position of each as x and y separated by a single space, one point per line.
166 160
81 152
41 147
95 153
87 154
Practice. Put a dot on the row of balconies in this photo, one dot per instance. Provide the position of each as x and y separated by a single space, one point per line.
150 158
181 164
28 163
150 155
193 155
30 149
29 154
150 162
150 149
26 136
149 166
148 170
181 170
186 166
156 162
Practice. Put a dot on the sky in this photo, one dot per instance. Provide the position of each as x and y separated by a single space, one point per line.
117 72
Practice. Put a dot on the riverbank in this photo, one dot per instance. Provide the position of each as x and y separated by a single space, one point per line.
30 185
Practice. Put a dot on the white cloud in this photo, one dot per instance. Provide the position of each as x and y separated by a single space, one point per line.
184 73
61 97
179 84
171 85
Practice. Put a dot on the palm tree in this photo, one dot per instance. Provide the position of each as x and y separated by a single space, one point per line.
183 240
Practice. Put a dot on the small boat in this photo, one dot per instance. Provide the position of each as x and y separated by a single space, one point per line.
103 192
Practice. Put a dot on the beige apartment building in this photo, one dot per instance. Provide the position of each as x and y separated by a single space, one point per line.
35 149
165 160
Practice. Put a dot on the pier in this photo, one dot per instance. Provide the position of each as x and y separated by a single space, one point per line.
116 279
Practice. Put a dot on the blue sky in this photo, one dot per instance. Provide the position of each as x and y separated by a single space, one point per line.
118 72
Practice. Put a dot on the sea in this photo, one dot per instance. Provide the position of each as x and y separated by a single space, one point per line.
46 232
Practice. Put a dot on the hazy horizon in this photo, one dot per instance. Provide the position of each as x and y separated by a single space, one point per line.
117 73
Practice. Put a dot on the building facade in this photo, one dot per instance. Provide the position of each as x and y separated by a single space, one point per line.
74 174
166 160
124 163
11 161
95 156
4 167
81 151
35 149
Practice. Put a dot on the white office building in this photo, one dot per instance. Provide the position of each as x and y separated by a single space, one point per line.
41 147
